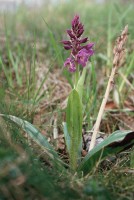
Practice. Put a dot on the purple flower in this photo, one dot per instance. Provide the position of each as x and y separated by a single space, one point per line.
88 46
82 58
84 40
67 44
79 54
70 63
75 21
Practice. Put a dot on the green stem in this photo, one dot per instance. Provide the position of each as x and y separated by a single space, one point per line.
76 76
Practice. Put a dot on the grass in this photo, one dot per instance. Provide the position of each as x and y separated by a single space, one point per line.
34 86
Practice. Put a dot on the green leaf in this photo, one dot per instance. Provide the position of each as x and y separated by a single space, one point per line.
74 127
34 133
80 83
67 136
116 142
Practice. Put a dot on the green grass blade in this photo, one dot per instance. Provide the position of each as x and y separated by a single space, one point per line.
7 74
36 97
15 64
128 70
54 44
109 32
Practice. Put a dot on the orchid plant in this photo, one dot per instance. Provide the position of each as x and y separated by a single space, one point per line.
76 64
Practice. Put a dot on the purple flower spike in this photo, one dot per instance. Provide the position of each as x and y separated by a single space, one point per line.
70 63
79 54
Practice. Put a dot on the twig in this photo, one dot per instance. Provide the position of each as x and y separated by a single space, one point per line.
119 54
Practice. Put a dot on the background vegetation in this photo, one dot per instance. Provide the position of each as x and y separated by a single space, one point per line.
34 86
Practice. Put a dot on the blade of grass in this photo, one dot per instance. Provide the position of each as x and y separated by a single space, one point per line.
7 74
54 44
127 72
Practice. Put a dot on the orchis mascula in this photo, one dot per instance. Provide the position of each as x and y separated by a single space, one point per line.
79 54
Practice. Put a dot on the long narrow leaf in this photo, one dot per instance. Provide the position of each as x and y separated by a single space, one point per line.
35 135
74 126
115 143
